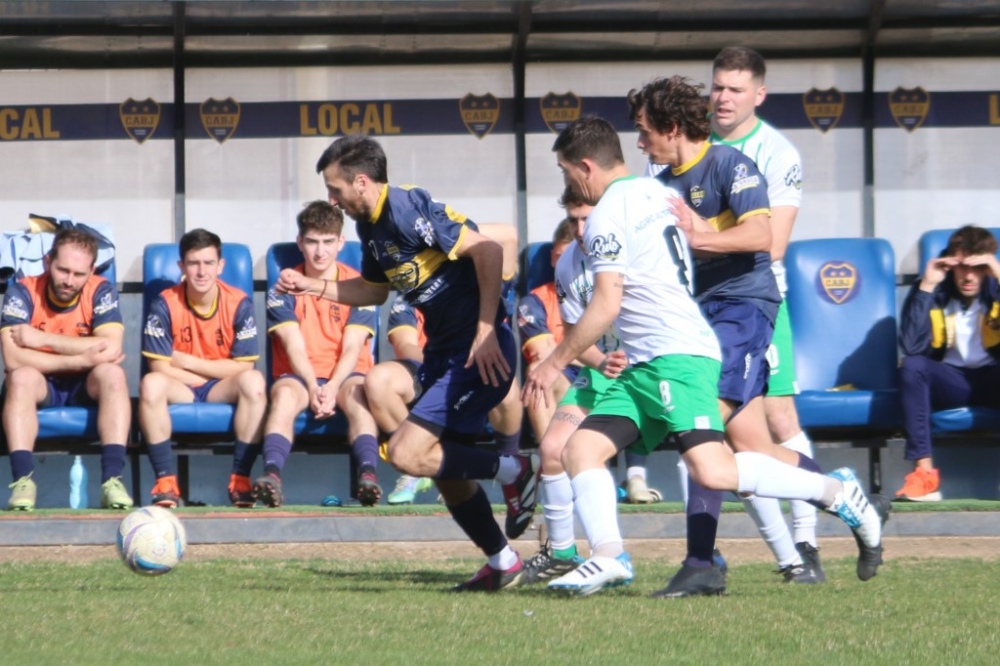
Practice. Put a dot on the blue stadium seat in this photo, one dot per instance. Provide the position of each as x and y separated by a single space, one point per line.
72 422
285 255
160 271
931 244
842 304
536 266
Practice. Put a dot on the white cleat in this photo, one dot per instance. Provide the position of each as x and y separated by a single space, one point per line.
594 575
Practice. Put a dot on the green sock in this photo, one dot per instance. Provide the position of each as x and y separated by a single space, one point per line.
565 553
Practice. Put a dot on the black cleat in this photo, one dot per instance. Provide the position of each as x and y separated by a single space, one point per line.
267 490
870 558
810 557
521 496
802 574
544 565
693 582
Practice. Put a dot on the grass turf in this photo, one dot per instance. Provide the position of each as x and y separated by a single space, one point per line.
329 611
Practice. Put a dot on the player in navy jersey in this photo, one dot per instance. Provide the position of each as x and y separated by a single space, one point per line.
728 229
453 276
61 337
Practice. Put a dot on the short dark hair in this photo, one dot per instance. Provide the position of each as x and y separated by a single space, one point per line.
356 154
565 231
592 138
970 240
74 237
674 102
199 239
321 217
738 58
571 198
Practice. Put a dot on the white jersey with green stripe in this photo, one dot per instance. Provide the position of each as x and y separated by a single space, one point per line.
776 158
574 289
632 231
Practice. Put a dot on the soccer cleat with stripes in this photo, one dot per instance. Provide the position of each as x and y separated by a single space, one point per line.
521 496
544 565
865 520
594 575
488 579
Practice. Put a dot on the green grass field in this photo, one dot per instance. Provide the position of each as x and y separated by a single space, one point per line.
331 612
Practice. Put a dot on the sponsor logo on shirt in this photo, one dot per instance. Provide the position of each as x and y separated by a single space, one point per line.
794 177
13 307
107 303
742 180
524 316
605 248
154 327
560 292
274 299
425 230
248 331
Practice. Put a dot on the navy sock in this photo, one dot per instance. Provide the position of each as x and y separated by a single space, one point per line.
703 509
509 445
276 451
808 464
112 461
464 462
634 459
365 452
475 517
22 463
244 456
161 457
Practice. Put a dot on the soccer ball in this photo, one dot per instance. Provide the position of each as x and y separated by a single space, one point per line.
151 540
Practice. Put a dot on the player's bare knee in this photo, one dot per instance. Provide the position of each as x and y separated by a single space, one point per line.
251 385
110 377
153 388
23 382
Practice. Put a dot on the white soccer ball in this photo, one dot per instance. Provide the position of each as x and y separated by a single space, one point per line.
151 540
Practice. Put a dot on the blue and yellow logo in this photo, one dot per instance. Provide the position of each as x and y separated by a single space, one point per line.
558 111
139 118
909 107
838 281
823 108
220 118
479 113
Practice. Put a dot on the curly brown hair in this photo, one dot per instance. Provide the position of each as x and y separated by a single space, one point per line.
673 102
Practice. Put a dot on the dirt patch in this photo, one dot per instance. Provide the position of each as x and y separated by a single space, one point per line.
737 551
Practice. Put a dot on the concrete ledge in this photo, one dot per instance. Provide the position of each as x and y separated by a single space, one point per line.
306 528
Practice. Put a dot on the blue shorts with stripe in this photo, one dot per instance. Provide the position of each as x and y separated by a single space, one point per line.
744 334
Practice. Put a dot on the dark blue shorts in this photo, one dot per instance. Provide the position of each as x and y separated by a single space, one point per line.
454 397
744 335
571 372
201 392
68 392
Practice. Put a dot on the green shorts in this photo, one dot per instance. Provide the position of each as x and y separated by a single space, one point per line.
670 394
586 389
780 358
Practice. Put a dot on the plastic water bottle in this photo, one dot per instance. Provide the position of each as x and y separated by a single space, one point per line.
78 484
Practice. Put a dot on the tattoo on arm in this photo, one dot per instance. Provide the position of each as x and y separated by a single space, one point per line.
572 419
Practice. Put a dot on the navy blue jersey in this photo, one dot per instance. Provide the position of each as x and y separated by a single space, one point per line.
725 187
411 244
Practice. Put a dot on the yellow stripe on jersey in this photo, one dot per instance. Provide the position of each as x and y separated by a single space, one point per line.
411 274
453 215
380 204
991 336
758 211
687 166
280 324
453 255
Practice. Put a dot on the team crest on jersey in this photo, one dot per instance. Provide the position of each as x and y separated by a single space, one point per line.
524 316
391 250
606 248
823 108
742 180
558 111
838 281
139 118
154 327
13 307
909 107
479 113
220 117
697 194
335 313
248 331
107 303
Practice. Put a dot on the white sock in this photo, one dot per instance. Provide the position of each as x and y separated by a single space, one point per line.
763 475
766 513
682 476
504 560
803 513
636 471
557 508
596 501
509 468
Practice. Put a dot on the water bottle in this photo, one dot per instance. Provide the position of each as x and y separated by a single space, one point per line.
78 484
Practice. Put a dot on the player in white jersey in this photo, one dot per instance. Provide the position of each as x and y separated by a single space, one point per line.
670 387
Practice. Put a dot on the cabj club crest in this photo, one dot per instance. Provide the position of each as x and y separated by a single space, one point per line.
479 113
823 108
139 118
909 107
558 111
220 118
839 281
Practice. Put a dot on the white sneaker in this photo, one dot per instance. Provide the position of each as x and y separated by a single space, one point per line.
852 506
638 492
595 574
